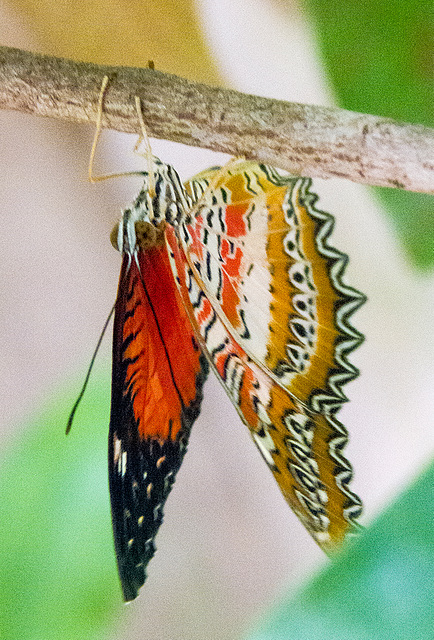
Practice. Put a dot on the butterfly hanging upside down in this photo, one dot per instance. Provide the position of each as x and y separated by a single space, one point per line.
231 271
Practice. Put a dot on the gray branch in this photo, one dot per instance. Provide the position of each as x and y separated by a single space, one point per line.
303 139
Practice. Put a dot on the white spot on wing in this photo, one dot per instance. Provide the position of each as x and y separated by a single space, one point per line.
117 446
266 446
123 461
322 537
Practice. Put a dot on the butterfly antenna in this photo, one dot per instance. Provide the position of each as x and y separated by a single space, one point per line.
86 380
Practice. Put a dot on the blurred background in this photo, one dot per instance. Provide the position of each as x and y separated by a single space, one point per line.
229 545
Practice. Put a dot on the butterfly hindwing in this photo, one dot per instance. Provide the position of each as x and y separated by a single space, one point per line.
271 312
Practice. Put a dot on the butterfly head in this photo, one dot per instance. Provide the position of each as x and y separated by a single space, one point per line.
162 199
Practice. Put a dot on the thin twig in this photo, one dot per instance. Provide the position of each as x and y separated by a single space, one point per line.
303 139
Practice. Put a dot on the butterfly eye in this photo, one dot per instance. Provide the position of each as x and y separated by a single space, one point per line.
114 236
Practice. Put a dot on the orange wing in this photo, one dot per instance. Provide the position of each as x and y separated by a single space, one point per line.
158 374
265 295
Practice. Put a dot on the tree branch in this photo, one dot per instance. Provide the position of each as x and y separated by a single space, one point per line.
303 139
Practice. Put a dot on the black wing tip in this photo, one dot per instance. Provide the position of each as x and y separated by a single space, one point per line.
130 590
138 493
131 587
132 576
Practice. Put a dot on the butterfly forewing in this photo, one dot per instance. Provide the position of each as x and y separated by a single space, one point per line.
158 373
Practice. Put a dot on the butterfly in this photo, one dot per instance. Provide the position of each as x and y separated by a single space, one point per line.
233 272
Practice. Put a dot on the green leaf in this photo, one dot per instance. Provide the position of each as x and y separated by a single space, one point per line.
380 59
380 588
57 565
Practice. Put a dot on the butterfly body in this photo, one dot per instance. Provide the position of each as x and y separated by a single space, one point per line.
233 271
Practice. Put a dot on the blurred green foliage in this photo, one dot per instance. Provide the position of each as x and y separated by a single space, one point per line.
57 566
380 588
379 55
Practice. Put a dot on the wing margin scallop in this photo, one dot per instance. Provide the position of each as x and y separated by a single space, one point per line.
309 467
300 264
